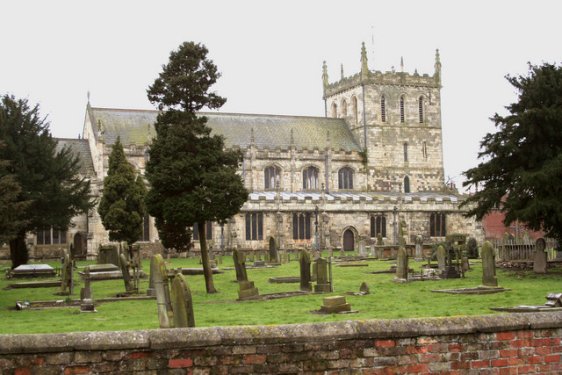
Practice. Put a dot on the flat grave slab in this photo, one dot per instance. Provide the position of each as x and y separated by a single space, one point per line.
35 284
476 290
32 270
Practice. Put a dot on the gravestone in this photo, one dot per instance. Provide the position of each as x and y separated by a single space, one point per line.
553 300
323 284
273 253
66 275
240 265
159 276
182 303
305 271
402 264
335 304
108 254
362 248
364 289
472 248
86 299
419 244
488 265
441 258
247 290
124 265
540 256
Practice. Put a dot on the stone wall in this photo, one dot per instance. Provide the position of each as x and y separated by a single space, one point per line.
494 344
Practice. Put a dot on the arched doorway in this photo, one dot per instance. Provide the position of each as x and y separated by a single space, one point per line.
348 240
79 245
272 250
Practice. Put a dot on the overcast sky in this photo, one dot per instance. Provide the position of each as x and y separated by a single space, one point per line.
270 54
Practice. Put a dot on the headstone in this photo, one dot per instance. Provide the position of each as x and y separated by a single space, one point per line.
465 264
419 244
247 290
273 253
364 289
335 304
372 251
323 284
159 276
472 248
441 258
305 270
66 275
402 264
86 291
362 248
124 264
540 257
108 254
182 303
239 265
488 265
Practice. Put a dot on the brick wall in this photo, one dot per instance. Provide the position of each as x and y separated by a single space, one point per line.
495 344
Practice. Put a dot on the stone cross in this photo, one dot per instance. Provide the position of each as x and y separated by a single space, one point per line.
488 265
182 303
305 270
402 264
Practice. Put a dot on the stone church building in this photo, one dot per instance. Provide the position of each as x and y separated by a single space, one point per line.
371 167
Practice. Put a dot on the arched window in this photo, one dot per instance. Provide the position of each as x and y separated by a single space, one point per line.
354 108
402 116
334 110
437 224
301 226
421 109
272 177
310 178
378 225
383 109
406 152
424 150
406 184
343 108
345 178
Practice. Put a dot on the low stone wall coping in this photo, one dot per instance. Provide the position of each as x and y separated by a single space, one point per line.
279 334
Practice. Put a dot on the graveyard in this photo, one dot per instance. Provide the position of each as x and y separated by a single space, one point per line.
272 294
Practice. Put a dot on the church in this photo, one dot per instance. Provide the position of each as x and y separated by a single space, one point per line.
371 168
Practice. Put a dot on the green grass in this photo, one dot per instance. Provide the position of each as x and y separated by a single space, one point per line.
388 300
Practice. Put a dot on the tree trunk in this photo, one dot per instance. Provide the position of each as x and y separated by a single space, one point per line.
209 285
18 250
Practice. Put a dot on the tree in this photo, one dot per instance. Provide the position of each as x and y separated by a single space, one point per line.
193 179
122 207
49 179
522 168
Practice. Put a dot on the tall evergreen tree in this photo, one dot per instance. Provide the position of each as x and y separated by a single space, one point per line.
49 180
192 177
122 207
522 168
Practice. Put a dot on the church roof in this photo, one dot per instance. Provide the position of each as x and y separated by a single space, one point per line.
267 131
81 148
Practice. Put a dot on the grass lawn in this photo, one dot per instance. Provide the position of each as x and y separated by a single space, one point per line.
388 300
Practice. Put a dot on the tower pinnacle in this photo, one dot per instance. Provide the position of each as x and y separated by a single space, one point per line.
324 75
364 62
437 74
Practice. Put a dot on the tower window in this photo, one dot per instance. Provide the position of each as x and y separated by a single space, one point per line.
354 108
334 110
272 177
310 178
345 178
420 109
402 117
424 150
405 152
406 184
344 108
383 109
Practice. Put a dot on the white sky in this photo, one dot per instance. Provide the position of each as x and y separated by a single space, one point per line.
270 54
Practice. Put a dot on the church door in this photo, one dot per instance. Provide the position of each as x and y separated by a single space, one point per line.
348 240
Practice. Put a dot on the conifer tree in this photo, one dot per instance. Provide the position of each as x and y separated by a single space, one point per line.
50 181
122 208
192 177
522 169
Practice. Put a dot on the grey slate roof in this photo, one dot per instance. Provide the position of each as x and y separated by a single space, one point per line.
269 131
79 147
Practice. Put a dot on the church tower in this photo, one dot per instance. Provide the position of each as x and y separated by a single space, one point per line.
396 118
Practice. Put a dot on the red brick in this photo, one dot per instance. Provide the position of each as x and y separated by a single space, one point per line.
76 370
455 347
521 343
385 343
499 362
438 348
419 368
22 371
138 355
508 353
534 360
254 359
543 350
480 364
514 361
508 371
503 336
180 362
429 358
416 349
552 358
525 334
